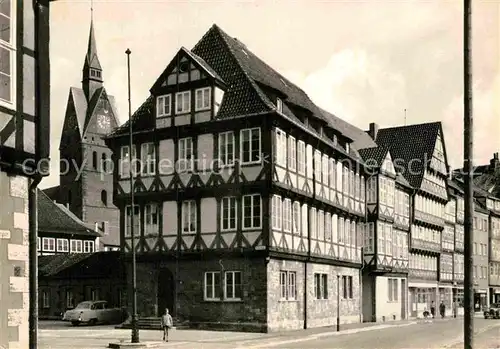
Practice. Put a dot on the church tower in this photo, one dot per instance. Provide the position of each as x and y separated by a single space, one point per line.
86 179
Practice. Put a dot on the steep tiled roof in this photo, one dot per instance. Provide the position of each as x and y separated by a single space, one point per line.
401 180
97 264
359 137
202 62
246 75
410 146
452 184
53 219
373 157
52 265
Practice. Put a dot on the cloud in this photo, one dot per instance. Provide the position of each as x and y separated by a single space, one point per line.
356 86
486 124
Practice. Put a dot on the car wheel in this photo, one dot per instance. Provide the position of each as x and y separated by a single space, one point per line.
75 323
93 322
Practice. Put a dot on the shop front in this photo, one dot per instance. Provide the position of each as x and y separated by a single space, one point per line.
480 299
421 297
494 295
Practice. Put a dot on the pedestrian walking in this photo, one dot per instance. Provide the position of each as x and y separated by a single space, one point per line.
166 324
442 309
455 308
433 310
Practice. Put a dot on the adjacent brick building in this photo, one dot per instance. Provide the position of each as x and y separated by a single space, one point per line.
86 180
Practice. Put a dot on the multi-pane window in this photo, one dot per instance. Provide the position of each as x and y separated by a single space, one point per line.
45 299
313 223
392 288
70 300
232 285
333 173
324 170
62 245
7 46
185 154
128 224
276 212
317 165
189 216
226 148
328 227
183 102
296 217
76 246
48 244
301 157
88 246
288 285
280 148
126 161
151 219
321 225
252 211
163 104
202 99
292 153
228 213
287 215
321 286
212 285
38 244
148 158
250 145
347 287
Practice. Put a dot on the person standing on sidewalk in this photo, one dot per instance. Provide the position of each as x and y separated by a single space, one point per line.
455 308
433 310
442 309
166 324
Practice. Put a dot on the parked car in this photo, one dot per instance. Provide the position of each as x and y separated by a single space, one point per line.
493 311
93 312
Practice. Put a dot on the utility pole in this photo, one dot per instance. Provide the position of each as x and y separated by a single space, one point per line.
135 330
469 192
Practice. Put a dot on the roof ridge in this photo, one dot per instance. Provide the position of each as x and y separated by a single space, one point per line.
412 125
224 36
91 106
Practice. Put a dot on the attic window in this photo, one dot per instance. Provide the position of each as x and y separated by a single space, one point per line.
279 105
95 73
245 52
183 67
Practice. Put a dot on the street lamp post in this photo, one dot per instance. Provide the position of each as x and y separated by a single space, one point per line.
135 330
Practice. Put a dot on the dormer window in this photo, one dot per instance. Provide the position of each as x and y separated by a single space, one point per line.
279 105
163 104
203 99
183 102
95 73
183 67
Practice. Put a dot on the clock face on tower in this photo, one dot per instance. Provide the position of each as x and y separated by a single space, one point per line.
103 122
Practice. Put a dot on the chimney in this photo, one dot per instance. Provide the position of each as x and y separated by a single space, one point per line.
495 163
373 130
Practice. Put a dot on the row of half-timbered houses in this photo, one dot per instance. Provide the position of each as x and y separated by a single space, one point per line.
253 205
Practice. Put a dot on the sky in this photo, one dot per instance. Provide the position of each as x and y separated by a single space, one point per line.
365 61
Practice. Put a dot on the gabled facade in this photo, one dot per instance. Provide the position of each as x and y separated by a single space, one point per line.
247 193
86 177
385 270
420 155
24 141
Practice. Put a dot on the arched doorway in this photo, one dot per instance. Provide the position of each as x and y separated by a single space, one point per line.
166 292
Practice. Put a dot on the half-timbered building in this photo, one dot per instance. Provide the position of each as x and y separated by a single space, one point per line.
24 141
420 155
250 200
454 220
385 270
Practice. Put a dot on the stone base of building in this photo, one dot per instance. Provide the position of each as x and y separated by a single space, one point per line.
265 305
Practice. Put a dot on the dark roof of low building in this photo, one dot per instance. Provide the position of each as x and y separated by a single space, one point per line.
54 219
81 265
374 156
412 146
52 192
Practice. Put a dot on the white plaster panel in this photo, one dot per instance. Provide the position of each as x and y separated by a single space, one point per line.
19 187
18 252
208 215
18 284
21 221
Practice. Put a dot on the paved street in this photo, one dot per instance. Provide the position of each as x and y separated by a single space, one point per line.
428 334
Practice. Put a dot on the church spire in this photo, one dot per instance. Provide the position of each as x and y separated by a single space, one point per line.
92 70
